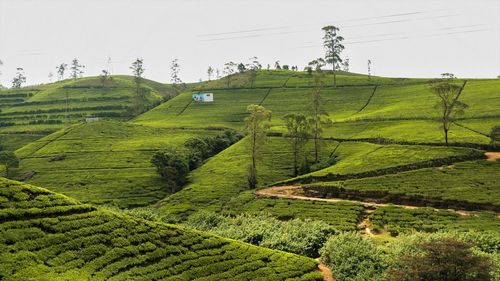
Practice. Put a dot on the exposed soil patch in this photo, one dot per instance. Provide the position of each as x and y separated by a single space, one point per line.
326 272
492 156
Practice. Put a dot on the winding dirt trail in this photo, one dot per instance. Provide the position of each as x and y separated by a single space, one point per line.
492 156
295 192
326 272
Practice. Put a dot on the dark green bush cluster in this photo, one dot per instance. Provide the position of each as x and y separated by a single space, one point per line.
303 237
201 148
173 165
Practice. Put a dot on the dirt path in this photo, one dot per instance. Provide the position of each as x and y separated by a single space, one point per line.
492 156
326 272
295 192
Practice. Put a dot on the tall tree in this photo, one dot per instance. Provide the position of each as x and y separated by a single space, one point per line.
172 167
448 103
137 71
9 160
19 79
297 135
277 64
60 71
333 45
252 67
318 117
255 128
210 72
229 71
76 69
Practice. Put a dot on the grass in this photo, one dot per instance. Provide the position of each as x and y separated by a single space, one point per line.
49 236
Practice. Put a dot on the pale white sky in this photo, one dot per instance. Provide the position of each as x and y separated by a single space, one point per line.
402 38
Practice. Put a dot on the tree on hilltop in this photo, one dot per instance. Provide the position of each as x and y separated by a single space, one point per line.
333 45
229 71
138 100
19 78
76 69
210 72
61 69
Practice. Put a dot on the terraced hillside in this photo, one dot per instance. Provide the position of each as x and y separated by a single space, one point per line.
51 237
102 162
29 113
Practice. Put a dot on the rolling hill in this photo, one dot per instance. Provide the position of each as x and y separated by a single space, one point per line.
48 236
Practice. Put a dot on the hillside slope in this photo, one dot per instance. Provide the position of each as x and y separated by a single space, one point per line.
46 236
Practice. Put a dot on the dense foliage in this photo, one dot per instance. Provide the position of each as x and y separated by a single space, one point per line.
353 257
304 237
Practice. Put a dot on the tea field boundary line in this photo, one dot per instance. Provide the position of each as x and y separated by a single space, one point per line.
265 96
368 101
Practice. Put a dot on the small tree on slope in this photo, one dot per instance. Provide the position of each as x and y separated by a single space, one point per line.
256 132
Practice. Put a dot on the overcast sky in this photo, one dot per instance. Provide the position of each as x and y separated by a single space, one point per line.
402 38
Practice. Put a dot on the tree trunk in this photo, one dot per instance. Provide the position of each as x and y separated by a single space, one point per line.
446 136
295 152
334 76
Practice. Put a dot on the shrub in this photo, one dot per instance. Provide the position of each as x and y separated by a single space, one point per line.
442 260
352 257
303 237
172 167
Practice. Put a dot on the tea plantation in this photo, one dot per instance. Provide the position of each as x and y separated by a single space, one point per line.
50 236
101 210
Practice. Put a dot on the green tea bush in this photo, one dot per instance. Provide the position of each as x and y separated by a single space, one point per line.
353 258
304 237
